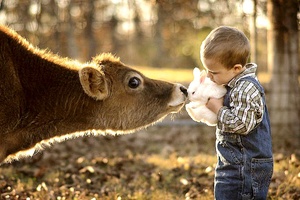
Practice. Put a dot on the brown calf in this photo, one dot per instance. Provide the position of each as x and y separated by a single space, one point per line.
46 98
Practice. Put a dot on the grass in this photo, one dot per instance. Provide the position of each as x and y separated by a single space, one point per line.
184 76
141 177
168 163
167 74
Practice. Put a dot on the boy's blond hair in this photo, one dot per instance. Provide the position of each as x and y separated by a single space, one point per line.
227 45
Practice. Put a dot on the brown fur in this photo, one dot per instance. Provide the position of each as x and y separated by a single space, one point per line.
44 97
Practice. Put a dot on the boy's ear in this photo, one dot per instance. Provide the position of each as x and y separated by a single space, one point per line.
93 83
203 75
237 68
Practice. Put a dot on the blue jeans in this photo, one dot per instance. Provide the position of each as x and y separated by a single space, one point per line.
238 174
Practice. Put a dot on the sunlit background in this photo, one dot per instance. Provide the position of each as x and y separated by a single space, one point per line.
141 32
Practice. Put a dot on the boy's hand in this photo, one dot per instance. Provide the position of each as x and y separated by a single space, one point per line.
215 104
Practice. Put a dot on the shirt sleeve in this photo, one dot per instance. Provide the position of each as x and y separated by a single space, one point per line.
245 111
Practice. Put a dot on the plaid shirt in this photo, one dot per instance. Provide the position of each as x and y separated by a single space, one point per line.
246 105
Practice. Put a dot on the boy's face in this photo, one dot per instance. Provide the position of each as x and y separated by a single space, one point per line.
218 73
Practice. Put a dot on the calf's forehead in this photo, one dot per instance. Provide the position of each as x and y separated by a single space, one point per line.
119 72
118 69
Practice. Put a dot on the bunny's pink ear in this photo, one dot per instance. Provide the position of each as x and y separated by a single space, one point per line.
203 76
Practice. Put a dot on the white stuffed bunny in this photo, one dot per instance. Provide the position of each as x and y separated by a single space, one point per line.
199 91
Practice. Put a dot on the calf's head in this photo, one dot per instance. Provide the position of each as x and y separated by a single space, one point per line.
125 99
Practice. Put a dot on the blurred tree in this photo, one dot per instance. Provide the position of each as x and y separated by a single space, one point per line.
162 16
72 46
283 61
89 30
253 34
1 4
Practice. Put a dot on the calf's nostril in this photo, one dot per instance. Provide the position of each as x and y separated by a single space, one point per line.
184 90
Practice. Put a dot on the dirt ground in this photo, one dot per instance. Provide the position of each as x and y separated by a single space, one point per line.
170 160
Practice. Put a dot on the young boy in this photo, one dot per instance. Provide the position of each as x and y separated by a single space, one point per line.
243 136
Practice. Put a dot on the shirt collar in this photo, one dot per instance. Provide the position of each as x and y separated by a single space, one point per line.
249 71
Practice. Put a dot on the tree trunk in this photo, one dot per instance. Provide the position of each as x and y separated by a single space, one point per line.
89 32
72 46
158 37
283 62
253 33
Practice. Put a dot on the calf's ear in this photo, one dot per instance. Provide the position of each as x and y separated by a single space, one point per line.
93 83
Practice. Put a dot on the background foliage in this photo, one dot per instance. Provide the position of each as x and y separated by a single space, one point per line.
162 33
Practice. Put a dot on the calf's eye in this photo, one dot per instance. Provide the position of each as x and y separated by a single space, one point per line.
134 82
